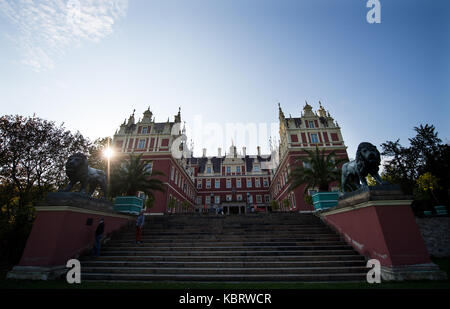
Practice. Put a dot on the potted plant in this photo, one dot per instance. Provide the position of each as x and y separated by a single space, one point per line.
317 170
128 179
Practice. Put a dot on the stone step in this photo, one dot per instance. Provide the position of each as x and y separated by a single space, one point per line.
175 243
149 247
229 252
275 277
222 264
225 271
224 259
231 238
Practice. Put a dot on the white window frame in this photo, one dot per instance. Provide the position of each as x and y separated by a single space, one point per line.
208 184
249 180
228 184
217 183
238 183
141 144
316 139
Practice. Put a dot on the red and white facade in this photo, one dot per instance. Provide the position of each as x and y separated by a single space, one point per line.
297 134
236 181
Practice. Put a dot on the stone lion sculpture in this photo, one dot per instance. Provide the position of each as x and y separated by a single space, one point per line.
367 162
78 170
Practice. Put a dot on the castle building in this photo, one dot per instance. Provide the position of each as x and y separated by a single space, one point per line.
236 182
306 132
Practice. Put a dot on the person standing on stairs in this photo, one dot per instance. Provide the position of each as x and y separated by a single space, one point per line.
98 236
139 226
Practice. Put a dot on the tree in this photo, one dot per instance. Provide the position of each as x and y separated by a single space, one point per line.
96 153
274 205
33 153
405 164
428 183
132 176
408 167
317 170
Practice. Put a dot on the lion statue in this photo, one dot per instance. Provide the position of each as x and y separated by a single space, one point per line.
367 161
78 170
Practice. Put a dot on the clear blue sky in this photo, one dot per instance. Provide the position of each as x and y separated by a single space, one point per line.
228 61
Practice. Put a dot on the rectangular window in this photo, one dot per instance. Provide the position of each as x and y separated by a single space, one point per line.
249 183
208 170
334 137
238 169
217 199
259 199
256 168
141 144
199 184
228 183
257 183
228 169
239 197
144 130
312 192
311 124
199 200
229 198
238 183
294 138
250 199
165 142
266 182
217 184
208 184
207 199
267 198
314 138
148 167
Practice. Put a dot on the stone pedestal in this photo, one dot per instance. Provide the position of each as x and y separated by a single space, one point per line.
64 228
378 222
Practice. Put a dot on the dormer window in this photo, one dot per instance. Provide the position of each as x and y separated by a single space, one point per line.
144 130
228 169
256 167
311 124
208 169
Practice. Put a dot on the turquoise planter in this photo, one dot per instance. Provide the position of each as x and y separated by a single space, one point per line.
324 200
128 204
441 210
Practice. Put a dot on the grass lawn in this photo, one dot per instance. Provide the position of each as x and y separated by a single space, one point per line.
444 264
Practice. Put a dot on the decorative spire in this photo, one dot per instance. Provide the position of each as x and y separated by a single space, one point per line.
178 116
280 111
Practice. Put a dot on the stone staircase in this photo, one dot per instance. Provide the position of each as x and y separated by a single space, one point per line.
253 247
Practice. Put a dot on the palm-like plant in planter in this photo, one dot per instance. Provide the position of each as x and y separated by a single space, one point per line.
133 176
317 171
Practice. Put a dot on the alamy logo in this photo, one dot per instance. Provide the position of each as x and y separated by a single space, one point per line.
374 14
374 274
74 274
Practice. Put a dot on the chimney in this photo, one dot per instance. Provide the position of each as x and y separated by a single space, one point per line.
259 150
244 150
204 152
219 152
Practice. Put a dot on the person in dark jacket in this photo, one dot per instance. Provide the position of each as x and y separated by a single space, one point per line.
98 236
139 225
